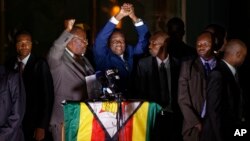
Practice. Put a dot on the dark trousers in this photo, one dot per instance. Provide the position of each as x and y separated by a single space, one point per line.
167 127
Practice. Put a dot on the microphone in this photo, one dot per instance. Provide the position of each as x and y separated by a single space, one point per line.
109 81
112 74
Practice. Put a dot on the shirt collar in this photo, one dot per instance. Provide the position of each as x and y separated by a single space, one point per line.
211 62
24 61
165 61
71 53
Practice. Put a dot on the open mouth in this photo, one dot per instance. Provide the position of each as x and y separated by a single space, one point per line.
118 48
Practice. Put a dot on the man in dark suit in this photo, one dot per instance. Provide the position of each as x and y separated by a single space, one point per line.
220 34
38 86
12 106
192 86
69 68
111 51
225 106
176 46
150 86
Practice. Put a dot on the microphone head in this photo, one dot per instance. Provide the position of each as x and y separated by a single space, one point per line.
112 73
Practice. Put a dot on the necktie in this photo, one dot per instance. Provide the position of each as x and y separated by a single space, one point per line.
164 85
20 67
88 70
207 68
125 63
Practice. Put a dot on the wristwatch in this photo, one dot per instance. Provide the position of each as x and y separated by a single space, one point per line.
138 20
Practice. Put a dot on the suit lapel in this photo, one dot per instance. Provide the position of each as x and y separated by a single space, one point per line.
29 66
230 75
89 66
30 61
199 67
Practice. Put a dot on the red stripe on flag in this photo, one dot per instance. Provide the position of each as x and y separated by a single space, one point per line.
97 131
126 132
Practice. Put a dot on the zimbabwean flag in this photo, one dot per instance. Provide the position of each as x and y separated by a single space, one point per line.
96 121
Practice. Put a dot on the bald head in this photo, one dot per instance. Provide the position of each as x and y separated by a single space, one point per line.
158 44
159 34
235 52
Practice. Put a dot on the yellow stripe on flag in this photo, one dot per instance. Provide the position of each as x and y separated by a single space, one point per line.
140 123
85 123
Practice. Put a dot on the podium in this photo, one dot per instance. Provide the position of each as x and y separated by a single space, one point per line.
96 121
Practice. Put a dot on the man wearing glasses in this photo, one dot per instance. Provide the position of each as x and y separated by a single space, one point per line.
69 67
111 51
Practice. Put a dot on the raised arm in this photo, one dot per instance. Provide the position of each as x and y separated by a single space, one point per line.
142 31
100 48
56 51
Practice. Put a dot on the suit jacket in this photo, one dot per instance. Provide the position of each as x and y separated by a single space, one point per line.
191 93
224 105
40 93
148 82
106 59
148 87
12 106
68 77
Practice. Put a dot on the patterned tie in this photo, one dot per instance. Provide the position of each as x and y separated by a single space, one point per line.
164 85
88 70
125 63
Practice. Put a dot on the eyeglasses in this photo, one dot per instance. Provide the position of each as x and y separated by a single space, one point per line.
26 43
82 40
156 43
117 42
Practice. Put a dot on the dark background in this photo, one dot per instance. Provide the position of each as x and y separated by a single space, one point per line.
44 18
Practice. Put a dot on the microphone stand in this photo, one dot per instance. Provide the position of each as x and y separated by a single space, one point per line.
117 97
119 112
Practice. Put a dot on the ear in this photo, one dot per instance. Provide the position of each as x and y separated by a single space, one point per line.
69 45
238 54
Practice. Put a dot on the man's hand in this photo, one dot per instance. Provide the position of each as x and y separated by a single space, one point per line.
132 14
68 24
124 11
39 134
198 126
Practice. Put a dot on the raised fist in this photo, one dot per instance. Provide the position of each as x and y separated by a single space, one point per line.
68 24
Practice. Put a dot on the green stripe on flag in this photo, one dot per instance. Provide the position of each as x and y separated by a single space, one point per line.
71 121
153 110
